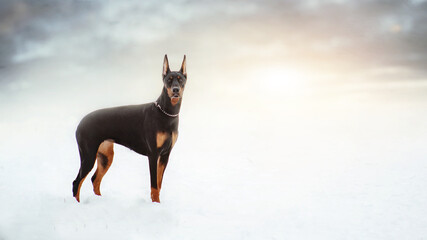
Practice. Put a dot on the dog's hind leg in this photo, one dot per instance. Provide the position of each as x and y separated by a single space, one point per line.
87 161
104 159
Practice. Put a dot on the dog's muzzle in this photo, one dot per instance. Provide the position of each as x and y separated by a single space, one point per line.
175 95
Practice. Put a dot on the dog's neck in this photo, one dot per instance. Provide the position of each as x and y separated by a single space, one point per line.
165 103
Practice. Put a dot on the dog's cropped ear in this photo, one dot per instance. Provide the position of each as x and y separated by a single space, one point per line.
183 69
166 69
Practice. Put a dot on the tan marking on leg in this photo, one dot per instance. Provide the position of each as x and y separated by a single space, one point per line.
174 138
78 190
160 170
155 195
97 182
106 148
161 138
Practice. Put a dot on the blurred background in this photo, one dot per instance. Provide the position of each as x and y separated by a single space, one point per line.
311 113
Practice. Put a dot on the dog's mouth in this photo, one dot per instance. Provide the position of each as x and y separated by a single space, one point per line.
175 98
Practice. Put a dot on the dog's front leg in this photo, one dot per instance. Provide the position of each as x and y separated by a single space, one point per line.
155 190
157 169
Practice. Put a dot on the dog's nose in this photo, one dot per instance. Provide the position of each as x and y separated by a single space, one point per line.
175 90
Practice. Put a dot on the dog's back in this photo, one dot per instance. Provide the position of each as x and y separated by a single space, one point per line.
108 123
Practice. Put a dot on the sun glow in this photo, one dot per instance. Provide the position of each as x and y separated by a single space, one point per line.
281 79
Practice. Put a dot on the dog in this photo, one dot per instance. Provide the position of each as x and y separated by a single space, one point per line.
149 129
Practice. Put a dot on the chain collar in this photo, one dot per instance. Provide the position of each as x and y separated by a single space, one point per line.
161 109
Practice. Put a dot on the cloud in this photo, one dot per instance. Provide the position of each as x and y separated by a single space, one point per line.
318 34
24 25
363 33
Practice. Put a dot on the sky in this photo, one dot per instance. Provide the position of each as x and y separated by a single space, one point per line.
381 38
236 47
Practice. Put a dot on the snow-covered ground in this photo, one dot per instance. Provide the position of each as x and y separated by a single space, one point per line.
335 162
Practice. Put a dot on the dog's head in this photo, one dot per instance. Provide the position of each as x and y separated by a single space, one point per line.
174 81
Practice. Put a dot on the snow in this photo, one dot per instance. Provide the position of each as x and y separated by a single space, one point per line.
342 164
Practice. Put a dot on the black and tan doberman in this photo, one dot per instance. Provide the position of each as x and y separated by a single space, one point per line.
149 129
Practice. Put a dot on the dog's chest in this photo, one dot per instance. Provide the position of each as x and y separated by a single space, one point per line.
166 139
